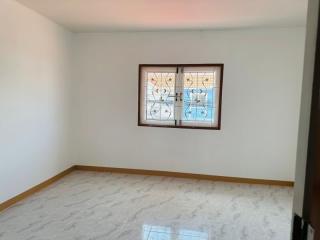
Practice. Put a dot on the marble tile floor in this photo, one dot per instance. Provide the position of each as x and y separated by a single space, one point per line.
109 206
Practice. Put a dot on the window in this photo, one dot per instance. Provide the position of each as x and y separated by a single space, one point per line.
180 96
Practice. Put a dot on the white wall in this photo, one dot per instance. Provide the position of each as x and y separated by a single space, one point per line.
305 109
34 69
261 99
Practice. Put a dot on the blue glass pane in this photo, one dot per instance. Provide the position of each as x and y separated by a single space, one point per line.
199 104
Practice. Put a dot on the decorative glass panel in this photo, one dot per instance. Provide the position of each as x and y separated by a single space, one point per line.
159 95
200 101
159 99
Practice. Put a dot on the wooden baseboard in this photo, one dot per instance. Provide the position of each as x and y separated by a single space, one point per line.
185 175
46 183
35 189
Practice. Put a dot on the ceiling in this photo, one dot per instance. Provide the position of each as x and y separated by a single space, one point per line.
146 15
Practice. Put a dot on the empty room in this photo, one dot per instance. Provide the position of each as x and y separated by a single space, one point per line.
159 120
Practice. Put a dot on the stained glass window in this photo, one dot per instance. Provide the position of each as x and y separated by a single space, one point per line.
180 95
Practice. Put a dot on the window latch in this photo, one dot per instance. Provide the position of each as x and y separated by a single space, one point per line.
179 96
181 99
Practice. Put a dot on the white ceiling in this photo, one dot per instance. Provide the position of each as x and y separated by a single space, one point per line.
142 15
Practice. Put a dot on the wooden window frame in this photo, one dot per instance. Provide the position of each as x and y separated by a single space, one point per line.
220 65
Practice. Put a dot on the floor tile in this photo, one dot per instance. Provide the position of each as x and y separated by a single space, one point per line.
90 205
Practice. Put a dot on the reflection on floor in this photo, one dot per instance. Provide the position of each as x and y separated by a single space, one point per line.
105 206
166 233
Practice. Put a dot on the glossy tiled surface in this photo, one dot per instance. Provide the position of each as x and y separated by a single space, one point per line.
98 206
